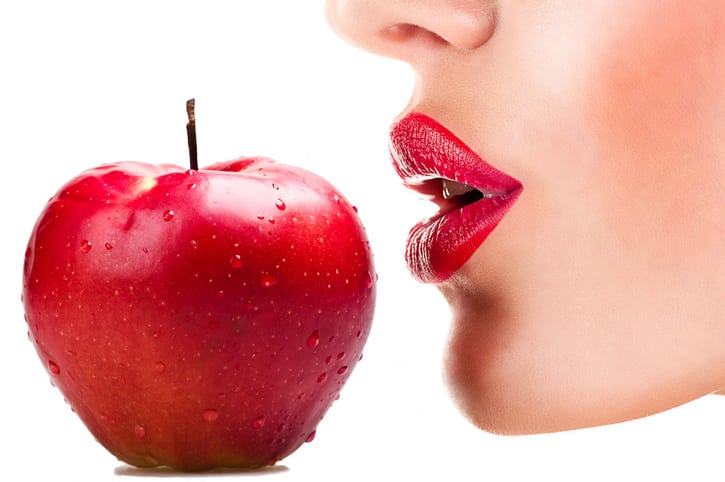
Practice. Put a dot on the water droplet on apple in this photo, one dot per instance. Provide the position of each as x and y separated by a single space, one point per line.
260 217
160 367
53 367
86 246
268 281
210 415
311 436
281 427
213 325
258 423
342 370
322 378
236 261
341 355
140 431
354 208
314 339
328 359
109 246
194 244
280 205
271 220
275 186
168 215
368 280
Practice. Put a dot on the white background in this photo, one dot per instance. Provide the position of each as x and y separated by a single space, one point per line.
83 83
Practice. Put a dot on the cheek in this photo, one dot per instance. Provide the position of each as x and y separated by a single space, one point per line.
651 113
649 84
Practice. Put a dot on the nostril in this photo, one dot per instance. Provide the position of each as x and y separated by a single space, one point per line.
463 32
405 32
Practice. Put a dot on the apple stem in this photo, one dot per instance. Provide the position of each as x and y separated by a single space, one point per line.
191 135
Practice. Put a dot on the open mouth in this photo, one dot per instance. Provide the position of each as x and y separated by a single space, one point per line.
472 196
448 195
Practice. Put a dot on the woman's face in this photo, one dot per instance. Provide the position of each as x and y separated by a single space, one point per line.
600 295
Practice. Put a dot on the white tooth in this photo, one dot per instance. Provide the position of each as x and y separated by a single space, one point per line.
453 189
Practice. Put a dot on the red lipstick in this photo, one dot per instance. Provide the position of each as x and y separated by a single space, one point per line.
472 195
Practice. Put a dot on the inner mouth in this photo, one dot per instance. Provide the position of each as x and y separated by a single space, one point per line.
448 195
452 189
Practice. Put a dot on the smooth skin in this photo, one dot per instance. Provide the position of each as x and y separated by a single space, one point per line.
601 296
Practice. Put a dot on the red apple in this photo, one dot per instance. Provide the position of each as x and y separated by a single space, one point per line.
199 318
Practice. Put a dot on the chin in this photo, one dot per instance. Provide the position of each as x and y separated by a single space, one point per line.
484 393
507 381
482 382
493 389
508 378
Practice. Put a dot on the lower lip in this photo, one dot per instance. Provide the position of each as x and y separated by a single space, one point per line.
439 247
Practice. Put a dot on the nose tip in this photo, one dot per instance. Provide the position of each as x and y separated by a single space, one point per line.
397 27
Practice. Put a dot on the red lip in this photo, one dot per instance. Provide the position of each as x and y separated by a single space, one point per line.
426 155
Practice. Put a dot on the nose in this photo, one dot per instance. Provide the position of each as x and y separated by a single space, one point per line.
405 29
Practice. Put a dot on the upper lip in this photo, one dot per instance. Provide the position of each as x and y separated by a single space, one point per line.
427 156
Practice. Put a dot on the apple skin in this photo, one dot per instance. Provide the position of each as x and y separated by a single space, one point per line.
199 319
